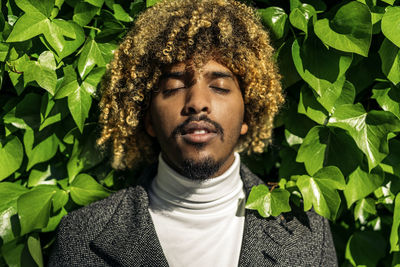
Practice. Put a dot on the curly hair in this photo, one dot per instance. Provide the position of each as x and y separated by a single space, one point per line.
175 31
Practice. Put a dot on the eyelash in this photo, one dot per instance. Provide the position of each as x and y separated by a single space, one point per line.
169 92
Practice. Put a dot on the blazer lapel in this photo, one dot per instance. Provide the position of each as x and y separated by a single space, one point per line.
129 238
259 245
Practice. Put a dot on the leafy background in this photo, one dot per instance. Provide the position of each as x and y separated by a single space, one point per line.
336 147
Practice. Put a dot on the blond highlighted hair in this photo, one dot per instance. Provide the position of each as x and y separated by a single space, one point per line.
175 31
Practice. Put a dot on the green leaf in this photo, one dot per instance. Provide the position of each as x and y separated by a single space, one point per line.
322 69
28 26
365 248
121 14
391 164
72 45
79 103
363 209
84 13
9 193
34 208
11 156
361 184
90 56
16 253
320 191
349 31
43 72
43 151
60 199
328 146
35 249
390 56
301 15
92 80
268 203
39 176
394 233
29 6
369 130
26 113
391 24
275 19
388 97
150 3
309 106
98 3
85 189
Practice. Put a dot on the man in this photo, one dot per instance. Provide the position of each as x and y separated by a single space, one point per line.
193 82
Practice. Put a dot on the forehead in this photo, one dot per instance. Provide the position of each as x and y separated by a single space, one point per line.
189 67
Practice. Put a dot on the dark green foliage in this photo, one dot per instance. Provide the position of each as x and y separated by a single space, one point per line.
336 147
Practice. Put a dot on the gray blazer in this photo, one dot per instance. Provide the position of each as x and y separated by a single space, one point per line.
118 231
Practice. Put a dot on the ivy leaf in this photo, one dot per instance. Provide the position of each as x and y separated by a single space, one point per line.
349 31
84 13
43 72
28 26
91 55
320 191
85 190
34 208
390 57
11 156
363 208
43 151
26 113
69 83
322 69
9 193
394 233
369 130
275 19
391 164
301 15
268 203
309 106
120 14
35 249
365 248
79 103
150 3
388 97
72 44
361 184
328 146
391 24
43 6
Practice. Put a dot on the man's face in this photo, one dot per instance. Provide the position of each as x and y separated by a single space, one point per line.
197 117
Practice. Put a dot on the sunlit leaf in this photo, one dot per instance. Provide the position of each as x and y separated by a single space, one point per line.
368 129
84 190
11 155
390 56
34 208
391 24
361 184
268 203
349 31
275 19
320 191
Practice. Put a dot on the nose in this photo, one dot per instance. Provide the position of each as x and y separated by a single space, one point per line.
198 100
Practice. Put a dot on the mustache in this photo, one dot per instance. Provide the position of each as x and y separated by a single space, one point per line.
180 128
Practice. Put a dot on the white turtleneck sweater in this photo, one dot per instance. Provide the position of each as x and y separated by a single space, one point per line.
198 223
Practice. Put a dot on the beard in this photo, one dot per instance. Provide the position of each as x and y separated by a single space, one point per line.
200 170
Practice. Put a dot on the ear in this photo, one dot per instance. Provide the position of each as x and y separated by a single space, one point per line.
149 125
244 128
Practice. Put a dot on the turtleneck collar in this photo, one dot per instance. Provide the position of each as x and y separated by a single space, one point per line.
170 191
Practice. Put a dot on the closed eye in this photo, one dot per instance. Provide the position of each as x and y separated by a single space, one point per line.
220 90
171 91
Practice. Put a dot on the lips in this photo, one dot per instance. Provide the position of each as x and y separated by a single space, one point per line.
198 132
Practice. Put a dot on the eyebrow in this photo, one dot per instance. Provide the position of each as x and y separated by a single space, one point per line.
173 74
220 74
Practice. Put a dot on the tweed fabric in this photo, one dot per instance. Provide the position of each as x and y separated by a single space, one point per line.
118 231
